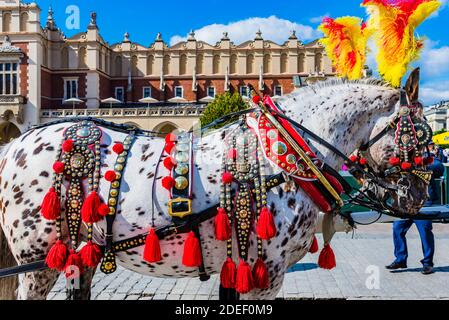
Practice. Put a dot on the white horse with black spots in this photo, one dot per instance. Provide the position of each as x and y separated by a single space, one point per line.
343 113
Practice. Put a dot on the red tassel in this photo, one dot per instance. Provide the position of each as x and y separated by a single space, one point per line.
418 161
103 210
326 259
58 167
244 282
406 165
227 178
266 228
67 145
89 210
152 250
110 175
363 161
394 161
170 138
57 256
314 247
169 147
168 183
192 251
169 163
51 206
222 226
260 274
353 158
91 254
232 154
256 99
228 274
118 148
73 261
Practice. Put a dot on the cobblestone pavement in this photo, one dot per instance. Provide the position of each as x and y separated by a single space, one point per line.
359 258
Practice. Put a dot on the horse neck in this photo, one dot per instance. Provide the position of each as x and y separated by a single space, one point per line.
344 114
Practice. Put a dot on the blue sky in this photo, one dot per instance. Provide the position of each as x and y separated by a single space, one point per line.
174 19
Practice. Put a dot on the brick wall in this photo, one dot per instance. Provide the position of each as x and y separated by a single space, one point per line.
52 89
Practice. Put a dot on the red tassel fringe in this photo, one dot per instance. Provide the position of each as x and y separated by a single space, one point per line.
169 163
223 230
57 256
89 210
67 145
103 209
51 205
73 261
110 175
266 228
314 247
118 148
228 274
192 251
260 274
152 250
327 258
168 183
169 147
244 282
227 178
91 254
58 167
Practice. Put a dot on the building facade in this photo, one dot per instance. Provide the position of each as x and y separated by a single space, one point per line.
438 116
40 69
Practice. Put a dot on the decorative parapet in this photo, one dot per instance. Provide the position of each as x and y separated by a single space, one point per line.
12 107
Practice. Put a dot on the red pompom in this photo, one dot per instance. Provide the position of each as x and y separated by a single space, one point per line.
406 165
228 274
244 282
103 209
353 158
58 167
89 210
394 161
418 161
326 259
169 147
152 250
192 251
266 228
67 145
428 161
222 226
57 256
363 161
74 263
314 247
232 154
91 254
227 178
168 183
110 175
260 275
51 205
171 137
118 148
256 99
169 163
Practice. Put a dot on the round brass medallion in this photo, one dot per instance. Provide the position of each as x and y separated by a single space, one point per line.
181 183
182 169
77 161
291 159
279 148
181 157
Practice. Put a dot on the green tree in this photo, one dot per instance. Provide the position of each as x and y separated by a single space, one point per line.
439 132
223 104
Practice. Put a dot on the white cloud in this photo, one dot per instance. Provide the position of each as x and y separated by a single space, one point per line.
273 28
319 19
434 60
434 92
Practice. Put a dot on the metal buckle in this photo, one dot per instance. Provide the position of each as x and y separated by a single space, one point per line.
180 214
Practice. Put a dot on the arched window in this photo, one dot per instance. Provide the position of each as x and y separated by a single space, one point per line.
250 64
44 55
267 63
166 65
318 62
134 66
118 66
183 64
65 58
107 62
301 63
100 59
82 58
216 64
6 21
24 21
233 64
150 65
284 63
199 64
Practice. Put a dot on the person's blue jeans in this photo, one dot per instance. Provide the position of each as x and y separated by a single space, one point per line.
424 227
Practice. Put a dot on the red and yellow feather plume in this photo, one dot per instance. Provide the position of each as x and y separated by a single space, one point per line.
346 45
395 22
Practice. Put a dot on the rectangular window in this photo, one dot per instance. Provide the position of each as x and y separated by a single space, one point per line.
9 78
179 92
146 92
244 91
278 90
119 93
70 88
211 92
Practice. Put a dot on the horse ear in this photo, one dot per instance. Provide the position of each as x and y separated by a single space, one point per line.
412 85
